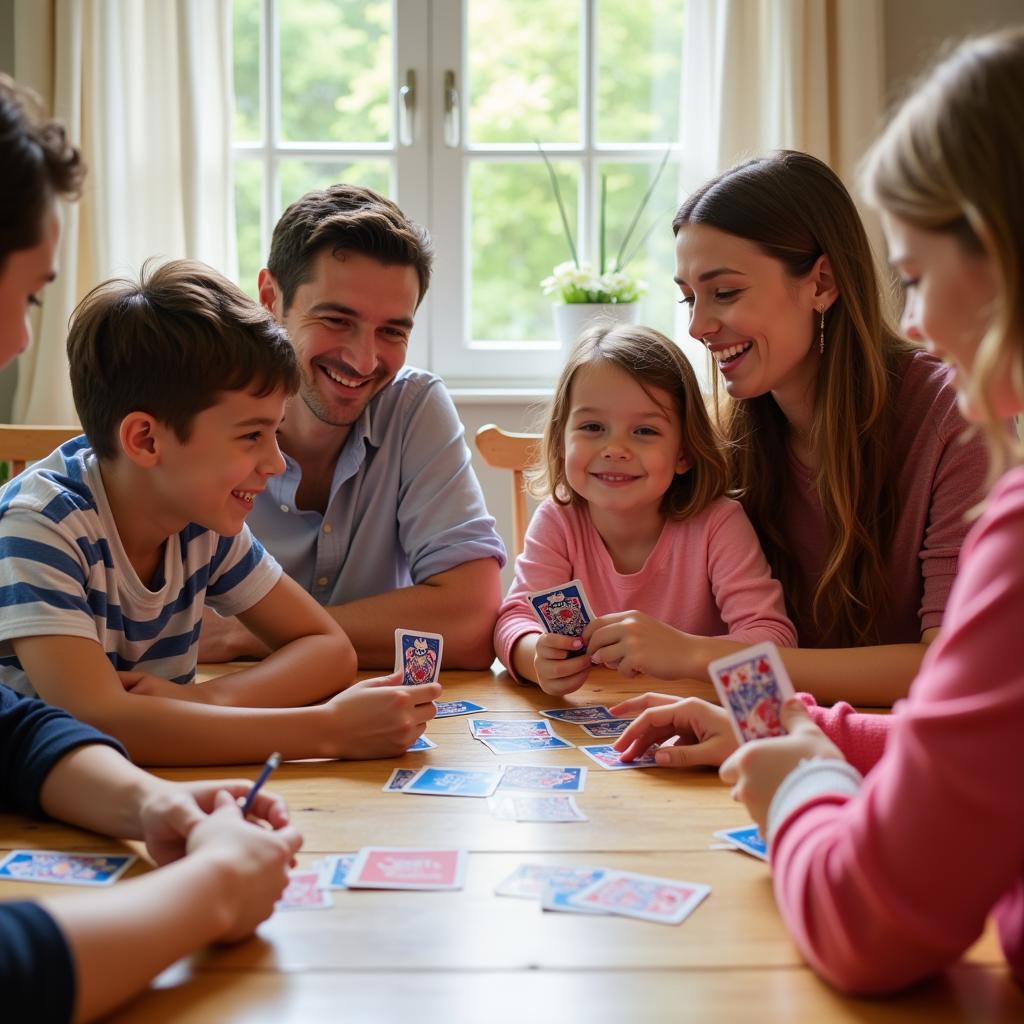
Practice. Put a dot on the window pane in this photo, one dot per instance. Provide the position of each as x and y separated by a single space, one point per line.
516 237
523 70
245 36
335 70
650 252
639 70
297 177
248 189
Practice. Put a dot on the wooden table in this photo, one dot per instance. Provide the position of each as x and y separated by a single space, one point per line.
470 956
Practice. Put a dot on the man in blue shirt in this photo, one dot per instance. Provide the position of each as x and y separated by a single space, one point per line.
378 513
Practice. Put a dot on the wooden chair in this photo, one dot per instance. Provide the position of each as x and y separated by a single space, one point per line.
504 450
20 444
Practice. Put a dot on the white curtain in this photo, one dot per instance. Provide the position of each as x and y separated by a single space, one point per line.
144 87
760 75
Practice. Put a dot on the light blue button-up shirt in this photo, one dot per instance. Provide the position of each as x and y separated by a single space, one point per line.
405 503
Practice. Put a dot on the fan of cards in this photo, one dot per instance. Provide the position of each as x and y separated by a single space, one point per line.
585 890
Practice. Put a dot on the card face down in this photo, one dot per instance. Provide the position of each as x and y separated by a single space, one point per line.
391 867
543 778
57 867
748 839
418 656
450 708
579 715
422 744
453 782
563 609
752 685
663 900
608 757
303 892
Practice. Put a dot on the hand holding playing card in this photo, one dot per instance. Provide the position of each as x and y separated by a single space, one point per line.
250 863
558 671
702 732
757 769
635 644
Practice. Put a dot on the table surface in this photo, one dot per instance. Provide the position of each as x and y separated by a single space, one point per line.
471 956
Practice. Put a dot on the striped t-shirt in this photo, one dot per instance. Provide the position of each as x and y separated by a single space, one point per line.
63 572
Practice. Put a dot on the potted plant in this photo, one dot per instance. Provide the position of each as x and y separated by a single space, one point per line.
584 294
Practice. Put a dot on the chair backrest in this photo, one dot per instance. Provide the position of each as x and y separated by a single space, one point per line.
504 450
21 444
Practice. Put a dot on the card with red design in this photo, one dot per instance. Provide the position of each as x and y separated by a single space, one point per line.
663 900
752 685
418 656
563 609
393 867
303 892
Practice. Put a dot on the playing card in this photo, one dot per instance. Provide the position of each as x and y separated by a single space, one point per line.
303 892
748 839
543 777
563 609
392 867
545 808
612 727
332 870
663 900
523 744
399 777
577 716
751 685
422 744
608 757
527 881
418 656
560 887
514 728
57 867
447 709
434 781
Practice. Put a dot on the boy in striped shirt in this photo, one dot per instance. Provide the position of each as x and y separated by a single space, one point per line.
110 546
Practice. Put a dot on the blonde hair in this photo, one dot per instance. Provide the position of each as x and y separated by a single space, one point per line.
951 161
653 361
795 209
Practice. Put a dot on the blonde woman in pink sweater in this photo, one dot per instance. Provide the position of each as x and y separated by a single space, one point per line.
886 878
634 479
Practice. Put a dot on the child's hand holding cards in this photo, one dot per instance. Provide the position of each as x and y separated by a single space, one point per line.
564 610
752 686
418 656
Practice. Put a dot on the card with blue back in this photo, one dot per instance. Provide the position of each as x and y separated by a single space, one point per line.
450 708
434 781
421 744
748 839
418 656
580 714
563 609
752 684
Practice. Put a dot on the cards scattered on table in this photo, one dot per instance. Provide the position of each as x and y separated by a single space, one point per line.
611 727
435 781
748 839
608 757
543 778
529 881
59 868
450 708
663 900
392 867
332 870
303 892
510 728
520 807
560 887
563 609
399 777
524 744
579 715
422 744
418 656
752 685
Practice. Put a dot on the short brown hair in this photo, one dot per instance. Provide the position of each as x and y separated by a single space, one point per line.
653 361
38 164
168 345
345 219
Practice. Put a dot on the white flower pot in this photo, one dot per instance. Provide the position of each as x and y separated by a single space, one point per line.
572 318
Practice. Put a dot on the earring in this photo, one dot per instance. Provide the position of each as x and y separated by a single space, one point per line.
821 331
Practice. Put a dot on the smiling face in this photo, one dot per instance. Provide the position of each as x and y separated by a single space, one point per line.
950 297
622 445
350 327
758 322
213 477
24 274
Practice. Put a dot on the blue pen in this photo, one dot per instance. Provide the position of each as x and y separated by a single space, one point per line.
271 763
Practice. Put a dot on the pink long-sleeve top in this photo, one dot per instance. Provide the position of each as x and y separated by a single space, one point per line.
887 886
706 575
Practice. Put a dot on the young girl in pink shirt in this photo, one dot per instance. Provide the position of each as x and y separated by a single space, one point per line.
886 878
633 484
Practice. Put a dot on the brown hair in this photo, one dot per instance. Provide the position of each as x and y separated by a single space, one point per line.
653 361
345 219
169 345
795 209
38 164
951 161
